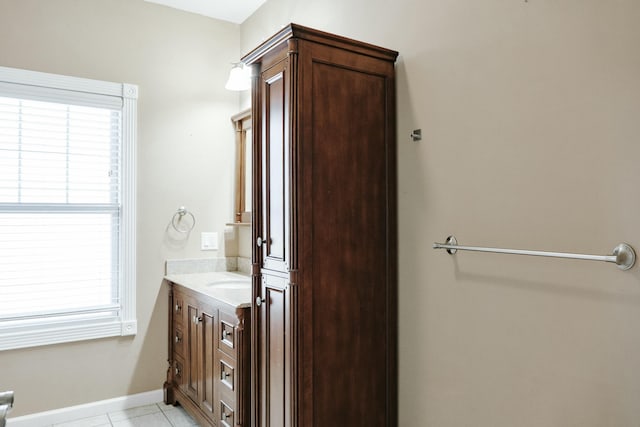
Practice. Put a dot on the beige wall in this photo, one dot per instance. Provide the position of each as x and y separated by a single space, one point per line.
530 116
180 62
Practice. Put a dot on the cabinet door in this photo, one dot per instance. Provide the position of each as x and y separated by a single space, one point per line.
206 362
274 353
348 270
199 376
191 375
275 168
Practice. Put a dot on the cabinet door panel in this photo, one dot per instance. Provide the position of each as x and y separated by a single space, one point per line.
274 153
274 357
208 377
191 382
348 304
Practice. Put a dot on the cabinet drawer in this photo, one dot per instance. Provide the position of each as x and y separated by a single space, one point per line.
178 308
178 341
178 371
227 416
227 341
227 375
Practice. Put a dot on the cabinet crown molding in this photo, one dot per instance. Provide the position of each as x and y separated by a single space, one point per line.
295 31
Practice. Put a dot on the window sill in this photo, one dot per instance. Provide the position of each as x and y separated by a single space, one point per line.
46 334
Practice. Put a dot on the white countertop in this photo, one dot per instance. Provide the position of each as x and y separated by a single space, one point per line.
230 287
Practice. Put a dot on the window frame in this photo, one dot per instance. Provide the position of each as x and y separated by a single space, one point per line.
53 331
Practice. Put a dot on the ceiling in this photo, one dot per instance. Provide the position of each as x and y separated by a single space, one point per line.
235 11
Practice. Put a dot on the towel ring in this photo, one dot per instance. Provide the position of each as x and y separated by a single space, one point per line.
178 217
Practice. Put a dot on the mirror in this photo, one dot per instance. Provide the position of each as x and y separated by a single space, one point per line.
242 207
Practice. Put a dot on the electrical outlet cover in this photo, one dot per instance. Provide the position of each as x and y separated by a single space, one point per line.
209 241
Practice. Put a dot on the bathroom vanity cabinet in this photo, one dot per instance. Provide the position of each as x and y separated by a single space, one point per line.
324 227
209 358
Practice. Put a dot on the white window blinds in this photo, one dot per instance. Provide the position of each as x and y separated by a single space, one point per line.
66 209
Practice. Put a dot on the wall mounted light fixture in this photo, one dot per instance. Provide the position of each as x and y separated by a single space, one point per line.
239 78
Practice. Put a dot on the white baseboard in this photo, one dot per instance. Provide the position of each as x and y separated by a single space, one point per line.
87 410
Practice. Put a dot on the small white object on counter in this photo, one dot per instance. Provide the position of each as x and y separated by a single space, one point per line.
229 287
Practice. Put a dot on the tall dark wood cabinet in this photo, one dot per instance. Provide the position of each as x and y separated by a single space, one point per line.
324 226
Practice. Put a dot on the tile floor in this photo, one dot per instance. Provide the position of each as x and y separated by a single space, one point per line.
156 415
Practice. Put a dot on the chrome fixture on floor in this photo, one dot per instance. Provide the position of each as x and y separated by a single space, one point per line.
6 403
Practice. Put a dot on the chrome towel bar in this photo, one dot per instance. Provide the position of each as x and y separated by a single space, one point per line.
623 255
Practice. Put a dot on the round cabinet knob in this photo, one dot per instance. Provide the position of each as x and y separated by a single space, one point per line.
259 301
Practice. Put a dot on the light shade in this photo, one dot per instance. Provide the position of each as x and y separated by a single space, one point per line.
239 78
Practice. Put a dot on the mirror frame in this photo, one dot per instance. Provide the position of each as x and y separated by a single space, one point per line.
242 123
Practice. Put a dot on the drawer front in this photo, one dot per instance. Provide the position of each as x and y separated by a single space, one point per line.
227 375
178 308
178 372
227 416
178 341
227 334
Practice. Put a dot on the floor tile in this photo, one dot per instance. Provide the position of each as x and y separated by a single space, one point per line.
133 412
99 421
151 420
177 416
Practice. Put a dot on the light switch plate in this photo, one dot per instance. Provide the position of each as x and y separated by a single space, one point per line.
209 241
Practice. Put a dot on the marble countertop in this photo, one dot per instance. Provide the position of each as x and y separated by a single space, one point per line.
230 287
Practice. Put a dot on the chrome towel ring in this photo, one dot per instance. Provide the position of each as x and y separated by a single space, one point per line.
183 221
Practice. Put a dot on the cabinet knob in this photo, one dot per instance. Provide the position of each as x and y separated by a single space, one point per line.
260 241
178 339
178 371
259 301
197 319
178 307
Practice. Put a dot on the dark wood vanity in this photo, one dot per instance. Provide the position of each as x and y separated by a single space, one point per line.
209 360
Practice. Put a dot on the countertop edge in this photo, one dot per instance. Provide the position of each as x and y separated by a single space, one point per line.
198 282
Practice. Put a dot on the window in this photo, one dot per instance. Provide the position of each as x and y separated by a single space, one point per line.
67 211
